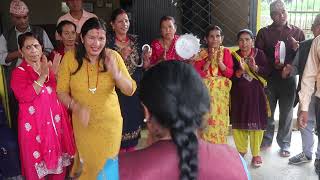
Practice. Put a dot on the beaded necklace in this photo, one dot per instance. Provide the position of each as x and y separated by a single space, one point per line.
93 90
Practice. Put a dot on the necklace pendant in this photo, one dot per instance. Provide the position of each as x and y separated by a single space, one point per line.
92 90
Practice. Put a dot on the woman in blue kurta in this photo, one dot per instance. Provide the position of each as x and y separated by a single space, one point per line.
127 46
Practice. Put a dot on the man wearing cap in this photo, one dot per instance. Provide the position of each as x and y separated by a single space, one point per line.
279 89
10 57
77 14
297 67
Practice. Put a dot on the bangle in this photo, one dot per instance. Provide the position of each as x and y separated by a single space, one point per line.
37 83
70 103
118 76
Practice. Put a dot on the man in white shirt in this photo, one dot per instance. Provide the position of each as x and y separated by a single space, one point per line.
310 78
77 15
10 57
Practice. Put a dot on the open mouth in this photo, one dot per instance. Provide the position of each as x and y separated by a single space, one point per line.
95 49
124 28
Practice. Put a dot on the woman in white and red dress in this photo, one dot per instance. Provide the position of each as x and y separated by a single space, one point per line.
44 131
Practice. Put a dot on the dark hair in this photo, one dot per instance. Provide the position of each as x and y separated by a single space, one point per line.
245 31
212 28
22 38
166 18
92 23
116 13
62 24
177 99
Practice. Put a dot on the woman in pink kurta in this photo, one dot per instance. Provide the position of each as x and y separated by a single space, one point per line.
163 49
44 131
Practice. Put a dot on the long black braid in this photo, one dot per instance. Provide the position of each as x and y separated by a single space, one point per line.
176 97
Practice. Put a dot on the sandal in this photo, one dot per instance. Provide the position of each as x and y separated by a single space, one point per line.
256 161
284 153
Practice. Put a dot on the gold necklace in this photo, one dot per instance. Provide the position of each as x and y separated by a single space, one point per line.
93 90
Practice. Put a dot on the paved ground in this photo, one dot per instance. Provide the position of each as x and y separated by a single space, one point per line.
277 168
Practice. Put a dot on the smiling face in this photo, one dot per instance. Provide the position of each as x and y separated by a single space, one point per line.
94 42
121 24
168 29
214 38
245 42
31 50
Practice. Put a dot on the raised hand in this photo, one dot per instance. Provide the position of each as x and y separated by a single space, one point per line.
56 62
241 63
286 71
252 64
295 43
125 52
206 65
220 56
111 64
44 66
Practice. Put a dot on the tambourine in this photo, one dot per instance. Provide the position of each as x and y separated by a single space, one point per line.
187 46
280 52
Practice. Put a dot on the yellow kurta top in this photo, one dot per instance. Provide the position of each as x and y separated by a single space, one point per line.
101 139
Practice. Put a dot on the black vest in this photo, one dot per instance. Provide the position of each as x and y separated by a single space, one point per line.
304 48
11 39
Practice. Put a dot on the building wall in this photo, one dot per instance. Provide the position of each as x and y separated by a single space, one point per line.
231 17
43 12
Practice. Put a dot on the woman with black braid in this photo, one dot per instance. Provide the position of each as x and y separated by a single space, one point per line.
175 101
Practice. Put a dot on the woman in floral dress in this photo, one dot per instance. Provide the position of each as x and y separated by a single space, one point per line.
215 65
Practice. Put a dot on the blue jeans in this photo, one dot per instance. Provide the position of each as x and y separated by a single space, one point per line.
307 133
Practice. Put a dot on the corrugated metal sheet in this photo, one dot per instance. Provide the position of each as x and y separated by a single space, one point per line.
146 17
193 16
231 16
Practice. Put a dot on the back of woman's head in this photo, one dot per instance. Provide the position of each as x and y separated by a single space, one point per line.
177 99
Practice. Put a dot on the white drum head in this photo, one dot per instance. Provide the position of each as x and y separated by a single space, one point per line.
282 52
187 46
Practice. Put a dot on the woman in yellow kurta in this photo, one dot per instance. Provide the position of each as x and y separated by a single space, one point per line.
86 85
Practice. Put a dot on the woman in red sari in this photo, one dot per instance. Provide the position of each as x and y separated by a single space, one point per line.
215 65
163 49
44 131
